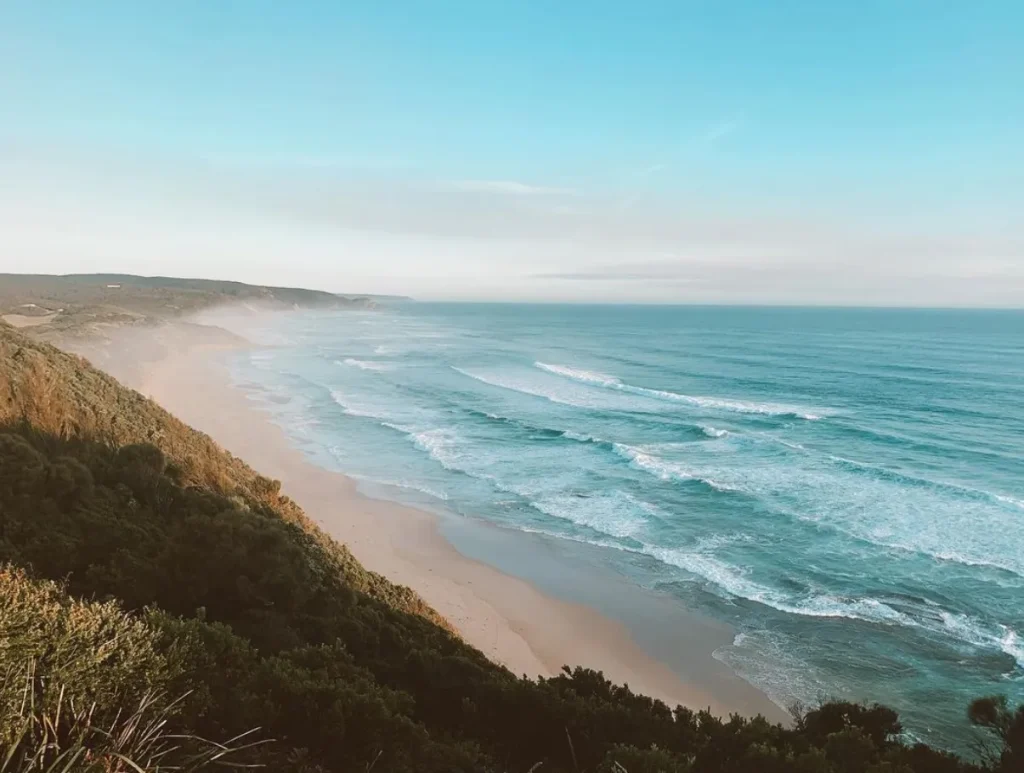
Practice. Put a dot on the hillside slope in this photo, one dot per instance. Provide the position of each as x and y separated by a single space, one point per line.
61 394
263 621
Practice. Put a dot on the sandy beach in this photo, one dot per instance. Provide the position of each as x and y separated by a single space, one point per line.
508 618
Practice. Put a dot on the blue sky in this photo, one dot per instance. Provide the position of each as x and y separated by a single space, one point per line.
712 151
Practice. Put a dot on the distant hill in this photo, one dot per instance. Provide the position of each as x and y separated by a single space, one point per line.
82 304
388 298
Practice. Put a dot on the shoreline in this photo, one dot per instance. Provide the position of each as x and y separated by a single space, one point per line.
497 604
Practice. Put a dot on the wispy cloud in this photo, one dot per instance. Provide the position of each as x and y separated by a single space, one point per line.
709 136
695 264
605 276
72 210
720 130
507 187
689 145
306 161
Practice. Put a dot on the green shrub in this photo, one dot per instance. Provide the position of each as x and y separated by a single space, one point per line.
82 688
629 759
88 653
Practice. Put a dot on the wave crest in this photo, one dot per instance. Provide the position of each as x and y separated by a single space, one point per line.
576 374
616 514
646 462
366 364
525 389
714 403
350 408
713 432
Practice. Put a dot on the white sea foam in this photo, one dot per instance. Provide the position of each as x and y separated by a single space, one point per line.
977 634
1010 500
879 510
586 376
352 408
580 437
1011 644
714 403
616 514
649 463
643 460
366 364
444 446
957 489
736 582
406 484
439 444
528 389
611 518
766 660
885 539
713 432
592 541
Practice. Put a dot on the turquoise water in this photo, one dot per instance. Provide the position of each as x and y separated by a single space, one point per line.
844 487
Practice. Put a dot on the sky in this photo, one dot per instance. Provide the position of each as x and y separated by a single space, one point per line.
727 151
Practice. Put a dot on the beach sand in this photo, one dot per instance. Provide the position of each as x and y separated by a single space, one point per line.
510 619
21 320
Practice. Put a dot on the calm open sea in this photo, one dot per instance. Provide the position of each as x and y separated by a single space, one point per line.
844 487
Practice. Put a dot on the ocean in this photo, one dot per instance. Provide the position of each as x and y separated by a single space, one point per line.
844 488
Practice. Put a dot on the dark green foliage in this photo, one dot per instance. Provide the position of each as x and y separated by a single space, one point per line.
1005 724
629 759
23 466
878 723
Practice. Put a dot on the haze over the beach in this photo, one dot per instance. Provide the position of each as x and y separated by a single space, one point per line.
743 152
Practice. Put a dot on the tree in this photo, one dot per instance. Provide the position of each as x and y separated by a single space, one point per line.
996 716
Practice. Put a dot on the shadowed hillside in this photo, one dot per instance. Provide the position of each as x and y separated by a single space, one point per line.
201 581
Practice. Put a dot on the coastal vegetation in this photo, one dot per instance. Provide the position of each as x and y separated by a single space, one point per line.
164 606
87 304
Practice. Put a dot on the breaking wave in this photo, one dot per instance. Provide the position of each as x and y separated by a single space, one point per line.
714 403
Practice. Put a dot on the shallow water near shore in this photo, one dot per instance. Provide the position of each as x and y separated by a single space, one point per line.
841 487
